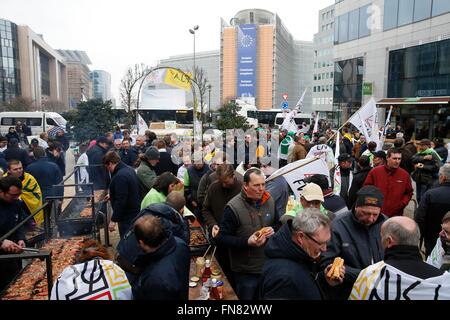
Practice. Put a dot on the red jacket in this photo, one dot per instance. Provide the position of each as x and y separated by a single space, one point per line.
396 188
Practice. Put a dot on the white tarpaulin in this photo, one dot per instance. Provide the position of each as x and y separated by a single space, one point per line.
382 281
170 99
297 171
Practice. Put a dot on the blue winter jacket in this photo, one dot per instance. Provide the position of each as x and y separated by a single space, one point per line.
288 273
128 247
165 273
358 245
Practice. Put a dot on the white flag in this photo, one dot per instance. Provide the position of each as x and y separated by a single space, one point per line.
141 124
316 124
300 101
324 152
337 171
289 121
388 121
297 171
382 281
365 118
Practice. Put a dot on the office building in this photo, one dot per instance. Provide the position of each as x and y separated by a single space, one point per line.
396 51
79 82
260 61
101 85
323 68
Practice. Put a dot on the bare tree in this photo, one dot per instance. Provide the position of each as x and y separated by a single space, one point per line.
18 104
202 81
54 105
129 84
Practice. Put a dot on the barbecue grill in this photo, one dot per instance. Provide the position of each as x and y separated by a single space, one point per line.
198 249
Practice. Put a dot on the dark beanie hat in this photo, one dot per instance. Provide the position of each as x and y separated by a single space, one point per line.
152 153
102 139
369 196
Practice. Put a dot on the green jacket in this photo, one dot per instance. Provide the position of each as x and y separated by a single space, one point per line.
147 178
153 196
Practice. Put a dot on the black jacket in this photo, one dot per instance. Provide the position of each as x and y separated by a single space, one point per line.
427 174
409 260
357 183
47 174
16 153
129 156
358 245
288 273
98 174
128 247
124 193
64 142
165 273
165 164
59 161
10 216
434 204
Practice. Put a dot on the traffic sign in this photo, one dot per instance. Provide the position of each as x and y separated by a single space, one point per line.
285 96
285 105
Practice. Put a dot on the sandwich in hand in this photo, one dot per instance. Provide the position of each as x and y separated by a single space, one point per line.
262 231
335 269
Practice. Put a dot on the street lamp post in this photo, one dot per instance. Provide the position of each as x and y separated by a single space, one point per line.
209 102
192 31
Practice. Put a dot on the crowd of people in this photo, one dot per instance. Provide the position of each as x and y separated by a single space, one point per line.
157 190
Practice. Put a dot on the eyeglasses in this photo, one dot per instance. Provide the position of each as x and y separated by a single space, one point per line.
446 234
320 244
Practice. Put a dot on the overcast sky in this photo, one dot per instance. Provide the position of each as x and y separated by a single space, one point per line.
119 33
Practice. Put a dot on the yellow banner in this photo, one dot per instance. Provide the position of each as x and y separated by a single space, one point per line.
178 79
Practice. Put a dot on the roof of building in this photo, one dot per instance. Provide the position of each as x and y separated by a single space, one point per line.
75 56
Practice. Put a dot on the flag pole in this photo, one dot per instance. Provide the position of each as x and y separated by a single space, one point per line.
301 165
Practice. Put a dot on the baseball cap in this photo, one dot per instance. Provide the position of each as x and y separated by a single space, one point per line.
369 196
34 140
312 192
345 157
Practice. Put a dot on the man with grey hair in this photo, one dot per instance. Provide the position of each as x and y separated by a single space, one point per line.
291 269
433 206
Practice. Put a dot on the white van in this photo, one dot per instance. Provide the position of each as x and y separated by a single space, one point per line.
37 121
299 118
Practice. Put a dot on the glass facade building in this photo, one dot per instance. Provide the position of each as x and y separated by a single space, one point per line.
420 71
9 61
348 81
398 13
352 25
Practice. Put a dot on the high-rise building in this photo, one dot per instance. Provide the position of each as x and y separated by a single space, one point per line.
101 84
208 61
79 82
31 69
9 61
260 61
323 69
397 52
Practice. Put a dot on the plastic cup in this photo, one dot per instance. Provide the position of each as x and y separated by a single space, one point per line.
200 265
